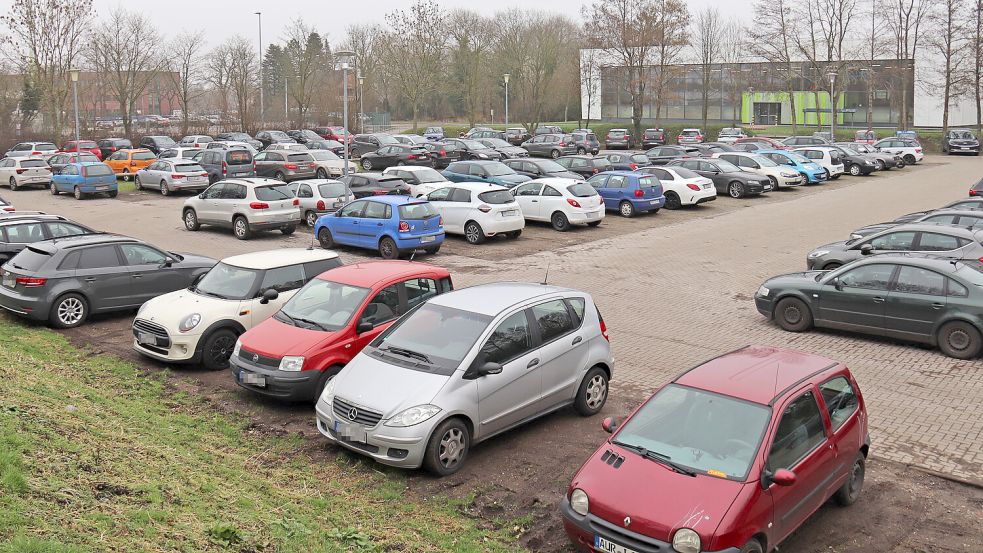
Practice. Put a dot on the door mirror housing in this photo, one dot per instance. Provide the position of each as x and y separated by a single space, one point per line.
783 477
477 371
610 424
269 295
866 249
168 261
364 326
836 283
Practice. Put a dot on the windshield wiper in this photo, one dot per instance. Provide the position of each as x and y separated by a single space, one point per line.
657 457
197 290
308 322
410 353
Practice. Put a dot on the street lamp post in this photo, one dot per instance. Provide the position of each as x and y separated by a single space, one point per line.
75 92
262 83
832 106
506 77
344 60
286 106
361 104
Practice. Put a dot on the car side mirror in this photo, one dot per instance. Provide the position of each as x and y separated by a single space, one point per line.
783 477
610 424
836 283
364 326
866 249
168 261
269 295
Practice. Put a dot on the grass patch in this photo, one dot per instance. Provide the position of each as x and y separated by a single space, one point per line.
95 455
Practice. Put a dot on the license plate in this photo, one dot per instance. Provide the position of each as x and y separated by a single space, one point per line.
102 187
252 379
705 186
602 544
8 281
351 432
147 339
655 202
510 213
426 239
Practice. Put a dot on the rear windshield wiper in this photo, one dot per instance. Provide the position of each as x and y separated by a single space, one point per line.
657 457
410 353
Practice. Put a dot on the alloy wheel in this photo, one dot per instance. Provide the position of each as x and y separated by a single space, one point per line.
472 233
221 350
163 189
451 448
70 311
311 219
597 391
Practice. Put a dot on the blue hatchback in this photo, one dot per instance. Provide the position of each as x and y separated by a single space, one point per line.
629 192
84 178
392 225
813 172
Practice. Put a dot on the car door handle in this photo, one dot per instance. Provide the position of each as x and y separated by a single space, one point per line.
878 299
532 363
89 279
354 222
137 275
938 305
378 224
534 201
577 340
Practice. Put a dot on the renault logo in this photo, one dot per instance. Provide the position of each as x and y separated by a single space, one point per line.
627 521
352 414
255 357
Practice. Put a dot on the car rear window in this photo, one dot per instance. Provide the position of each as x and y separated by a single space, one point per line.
689 133
648 182
45 147
274 193
238 157
496 197
189 168
85 144
417 211
299 157
85 157
616 134
30 259
33 163
144 156
122 143
100 170
331 190
582 190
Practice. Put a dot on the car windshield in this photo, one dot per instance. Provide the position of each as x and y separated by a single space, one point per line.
89 145
273 193
33 163
227 282
309 134
240 137
582 190
428 175
615 133
685 173
798 158
188 168
85 158
324 155
495 143
443 335
551 166
764 162
164 141
496 197
726 166
279 135
699 430
331 190
730 132
100 170
854 149
640 158
499 169
474 145
417 211
324 305
689 132
385 139
963 135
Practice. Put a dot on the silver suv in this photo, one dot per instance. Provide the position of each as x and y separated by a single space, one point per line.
246 205
465 366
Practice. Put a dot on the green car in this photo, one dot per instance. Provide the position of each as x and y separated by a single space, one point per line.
925 299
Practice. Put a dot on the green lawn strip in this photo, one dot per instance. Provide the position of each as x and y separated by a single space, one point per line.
96 455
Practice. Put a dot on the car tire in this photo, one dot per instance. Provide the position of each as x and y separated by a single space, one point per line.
54 189
68 311
388 248
13 184
113 193
126 175
138 182
279 176
849 492
735 190
625 209
191 220
909 159
217 349
164 190
593 393
673 201
77 192
880 164
753 546
855 170
447 448
554 154
322 174
322 381
473 233
581 151
774 183
432 249
960 340
793 315
288 230
560 222
901 164
367 164
325 239
514 234
240 228
310 218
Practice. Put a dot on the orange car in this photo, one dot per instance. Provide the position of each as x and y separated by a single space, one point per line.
129 161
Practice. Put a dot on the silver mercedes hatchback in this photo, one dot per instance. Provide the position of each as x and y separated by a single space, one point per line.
466 366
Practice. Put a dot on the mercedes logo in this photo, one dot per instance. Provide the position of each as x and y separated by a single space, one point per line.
255 357
627 521
352 414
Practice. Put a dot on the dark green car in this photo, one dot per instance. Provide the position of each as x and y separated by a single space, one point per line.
920 299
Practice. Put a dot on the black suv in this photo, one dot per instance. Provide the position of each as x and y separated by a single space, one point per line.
960 142
365 143
156 144
270 137
17 232
108 146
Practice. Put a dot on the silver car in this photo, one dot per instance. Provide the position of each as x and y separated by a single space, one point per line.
172 175
32 149
463 367
245 205
320 196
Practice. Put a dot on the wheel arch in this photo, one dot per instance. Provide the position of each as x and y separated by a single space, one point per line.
796 294
954 318
229 324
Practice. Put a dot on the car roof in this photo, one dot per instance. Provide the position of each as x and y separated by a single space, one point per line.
621 173
394 199
87 163
557 181
33 218
484 162
475 186
932 227
491 299
254 181
407 168
370 273
270 259
760 374
79 240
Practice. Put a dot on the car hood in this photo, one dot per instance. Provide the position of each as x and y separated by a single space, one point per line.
834 247
793 280
658 500
170 309
359 382
195 261
514 179
565 175
746 175
274 338
871 229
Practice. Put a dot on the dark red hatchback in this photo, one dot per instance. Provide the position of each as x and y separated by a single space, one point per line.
733 455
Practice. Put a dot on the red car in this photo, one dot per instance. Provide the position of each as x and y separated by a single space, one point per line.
334 133
292 355
731 456
766 142
87 146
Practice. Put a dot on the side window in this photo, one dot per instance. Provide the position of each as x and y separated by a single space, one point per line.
374 210
870 277
138 254
440 195
476 170
57 230
617 181
554 319
283 279
419 290
214 192
578 305
799 432
383 307
932 242
71 261
528 190
305 191
915 280
353 209
662 174
550 191
530 168
461 195
597 181
25 233
510 340
236 192
840 399
956 290
894 241
99 257
260 157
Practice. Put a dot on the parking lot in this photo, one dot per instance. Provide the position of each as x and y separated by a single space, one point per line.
675 288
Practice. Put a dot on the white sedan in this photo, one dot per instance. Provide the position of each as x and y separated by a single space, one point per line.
172 175
682 186
478 210
560 201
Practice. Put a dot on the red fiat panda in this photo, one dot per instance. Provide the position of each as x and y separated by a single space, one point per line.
733 455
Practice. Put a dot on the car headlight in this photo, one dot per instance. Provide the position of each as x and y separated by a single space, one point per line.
236 348
292 363
483 156
189 322
790 175
686 541
413 415
328 393
763 291
579 502
818 253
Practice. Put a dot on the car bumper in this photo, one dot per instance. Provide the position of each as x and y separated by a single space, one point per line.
649 204
423 241
764 305
652 143
188 185
290 176
276 221
610 145
797 180
95 188
815 177
25 306
397 447
964 149
700 197
180 348
503 224
23 180
584 217
283 385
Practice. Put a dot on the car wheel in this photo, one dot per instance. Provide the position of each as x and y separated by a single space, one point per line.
831 266
113 193
54 189
514 234
901 164
432 249
673 201
554 154
325 377
388 249
793 315
13 184
138 182
909 159
191 220
855 170
560 221
322 174
581 151
164 190
753 546
217 349
311 218
288 230
126 175
77 192
367 164
325 239
69 311
626 209
774 183
212 179
735 189
960 340
240 227
473 233
880 164
448 448
850 490
279 176
593 392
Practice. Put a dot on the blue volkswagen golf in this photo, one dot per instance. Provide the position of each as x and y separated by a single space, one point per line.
813 172
84 178
392 225
628 192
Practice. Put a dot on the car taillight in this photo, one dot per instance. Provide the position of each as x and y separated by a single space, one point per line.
254 166
604 327
225 167
313 165
918 150
594 170
563 143
31 282
259 205
411 156
573 202
296 201
133 164
404 226
443 152
320 204
692 186
177 176
35 153
972 192
291 166
484 208
633 166
9 209
21 171
203 174
639 193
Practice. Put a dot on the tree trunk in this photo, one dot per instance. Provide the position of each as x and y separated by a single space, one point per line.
819 119
791 106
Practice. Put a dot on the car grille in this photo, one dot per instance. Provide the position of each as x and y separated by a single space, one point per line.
258 359
343 409
157 331
636 541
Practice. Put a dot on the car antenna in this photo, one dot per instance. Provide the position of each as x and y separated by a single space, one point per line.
546 277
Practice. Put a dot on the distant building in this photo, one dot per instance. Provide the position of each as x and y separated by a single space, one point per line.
97 100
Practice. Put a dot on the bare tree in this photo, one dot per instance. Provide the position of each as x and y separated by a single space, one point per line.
412 39
709 35
590 77
823 43
243 71
905 19
974 32
46 40
471 42
217 73
186 68
129 65
948 42
773 38
365 42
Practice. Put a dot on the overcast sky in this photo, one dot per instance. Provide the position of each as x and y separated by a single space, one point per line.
224 18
